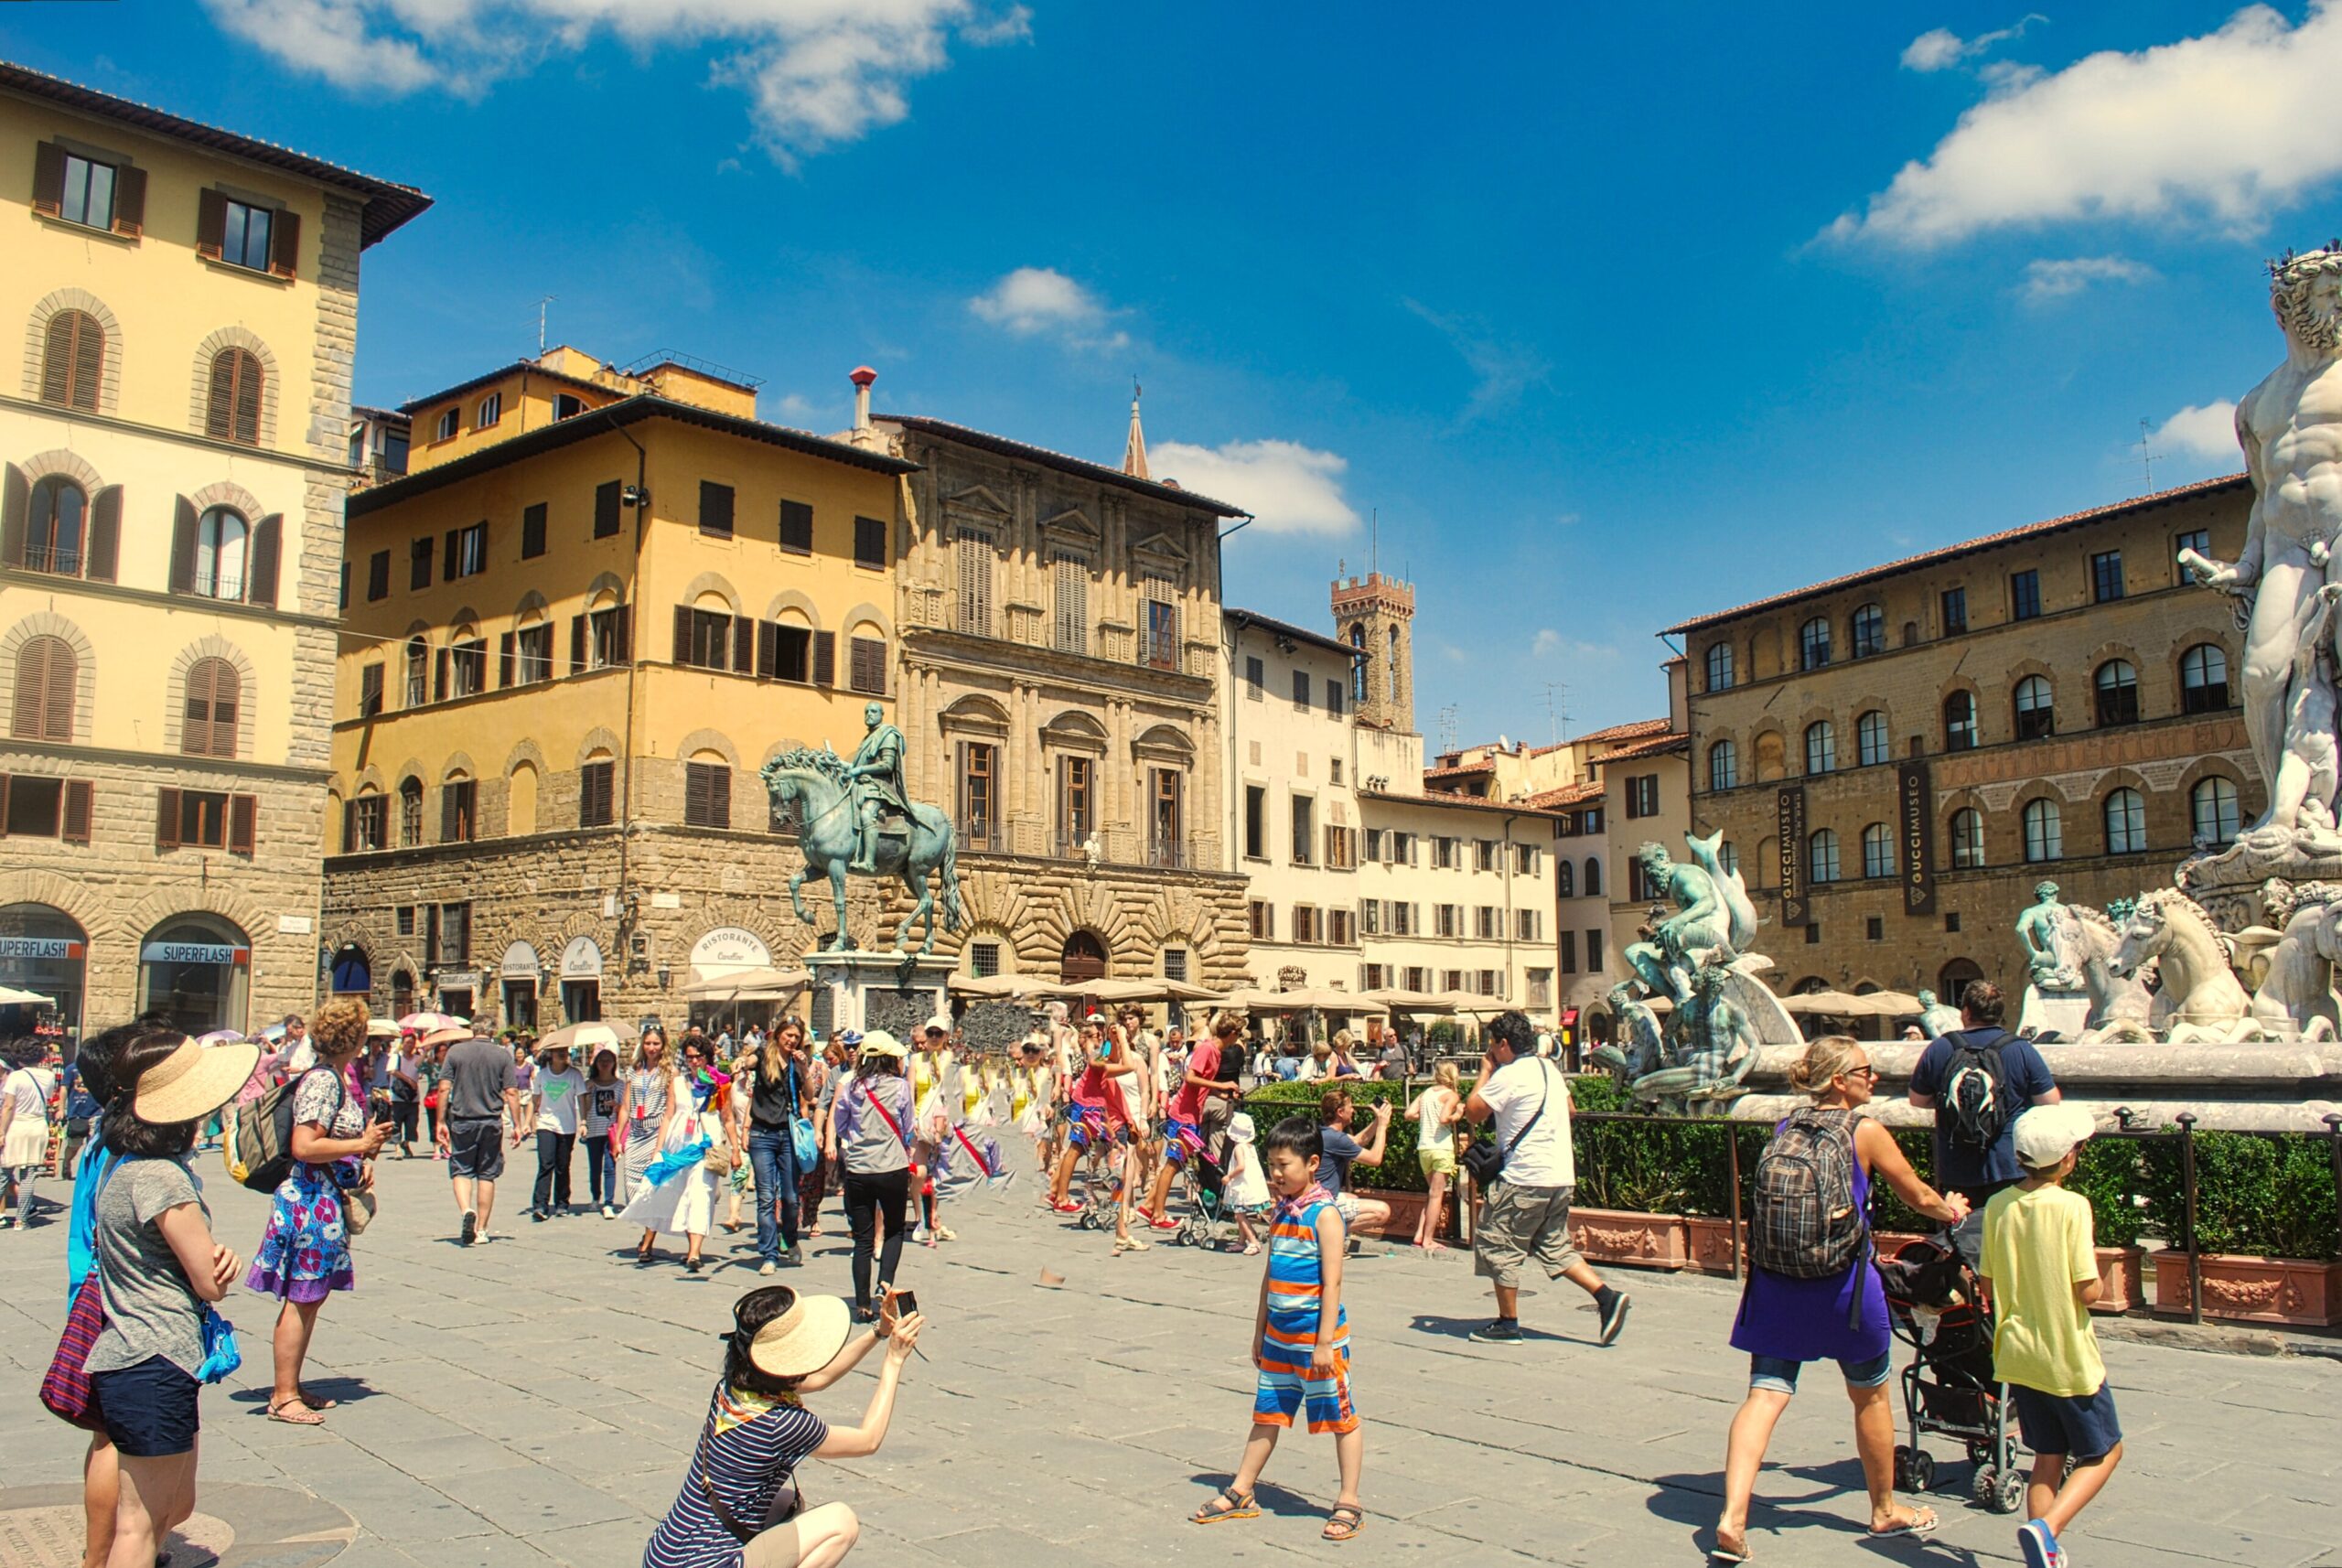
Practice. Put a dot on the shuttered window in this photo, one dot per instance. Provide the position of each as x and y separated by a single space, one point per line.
1070 575
1159 637
797 528
866 672
232 412
605 508
204 818
378 576
213 690
714 510
532 531
32 806
707 795
365 824
370 690
47 674
459 823
73 357
972 548
597 795
869 543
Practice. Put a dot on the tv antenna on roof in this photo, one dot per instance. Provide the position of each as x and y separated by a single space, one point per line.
2147 458
1557 712
548 299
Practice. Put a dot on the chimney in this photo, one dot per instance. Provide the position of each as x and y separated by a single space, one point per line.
861 377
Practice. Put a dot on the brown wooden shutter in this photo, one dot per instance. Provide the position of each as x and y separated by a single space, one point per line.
769 648
370 690
448 573
167 818
505 657
129 200
683 634
447 815
210 224
532 530
825 658
439 677
576 643
45 671
249 384
4 805
744 645
605 508
79 799
220 396
183 548
268 546
622 642
89 361
105 535
15 508
350 827
48 178
244 823
284 243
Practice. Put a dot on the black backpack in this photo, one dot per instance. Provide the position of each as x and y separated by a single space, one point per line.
1805 1223
1974 1105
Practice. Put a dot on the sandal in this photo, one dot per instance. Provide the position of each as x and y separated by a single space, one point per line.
1721 1553
278 1410
1225 1504
1920 1525
1130 1244
314 1402
1343 1523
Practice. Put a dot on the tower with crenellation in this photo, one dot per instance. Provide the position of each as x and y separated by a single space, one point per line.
1375 614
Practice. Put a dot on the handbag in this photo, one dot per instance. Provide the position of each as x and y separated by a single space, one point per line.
66 1389
220 1356
803 1142
1483 1160
356 1212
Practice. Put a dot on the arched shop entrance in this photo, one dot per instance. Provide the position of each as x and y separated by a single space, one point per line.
723 952
196 970
45 951
352 970
1083 958
580 981
518 972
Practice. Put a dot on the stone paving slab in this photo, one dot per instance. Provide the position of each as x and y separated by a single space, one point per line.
533 1402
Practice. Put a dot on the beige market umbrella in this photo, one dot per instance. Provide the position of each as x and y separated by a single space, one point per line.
582 1038
1885 1004
1302 999
759 984
12 998
996 985
1139 988
1467 1002
1825 1004
1398 999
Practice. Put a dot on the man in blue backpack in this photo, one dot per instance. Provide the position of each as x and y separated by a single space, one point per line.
1976 1079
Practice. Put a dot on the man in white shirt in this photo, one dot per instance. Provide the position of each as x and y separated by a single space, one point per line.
1527 1211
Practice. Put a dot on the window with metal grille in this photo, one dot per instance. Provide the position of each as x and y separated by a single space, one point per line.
797 528
1069 595
707 795
213 690
1175 964
231 408
867 666
2204 679
983 959
2036 708
73 357
597 794
972 554
409 813
869 543
48 678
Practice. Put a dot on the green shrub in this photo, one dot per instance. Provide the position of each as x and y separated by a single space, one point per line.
1398 1171
2109 1173
2265 1194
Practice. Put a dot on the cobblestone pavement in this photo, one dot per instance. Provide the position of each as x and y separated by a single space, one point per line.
532 1402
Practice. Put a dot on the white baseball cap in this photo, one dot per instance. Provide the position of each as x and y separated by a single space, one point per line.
2046 1133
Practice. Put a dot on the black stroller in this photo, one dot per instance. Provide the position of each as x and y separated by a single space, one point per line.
1949 1389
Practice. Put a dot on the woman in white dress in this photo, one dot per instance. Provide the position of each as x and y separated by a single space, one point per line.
685 1204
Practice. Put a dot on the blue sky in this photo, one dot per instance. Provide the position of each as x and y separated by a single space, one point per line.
1611 314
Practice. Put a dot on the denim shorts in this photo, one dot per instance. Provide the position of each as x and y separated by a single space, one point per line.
1779 1375
2083 1426
148 1410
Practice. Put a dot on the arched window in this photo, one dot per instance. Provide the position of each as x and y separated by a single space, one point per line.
1870 737
1960 722
2037 713
1822 857
1593 877
520 800
2117 685
1564 878
410 812
1869 630
1813 644
54 532
2213 808
46 676
232 410
1967 838
1820 747
1359 664
2044 832
73 357
1723 766
1878 851
418 672
214 696
2204 679
1720 667
2126 822
222 539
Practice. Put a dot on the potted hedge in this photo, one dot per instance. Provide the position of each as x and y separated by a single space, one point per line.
2265 1229
2109 1173
1398 1178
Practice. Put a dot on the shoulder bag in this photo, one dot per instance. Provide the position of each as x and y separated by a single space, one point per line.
1483 1160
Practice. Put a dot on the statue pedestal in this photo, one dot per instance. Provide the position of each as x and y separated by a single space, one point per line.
894 991
2065 1012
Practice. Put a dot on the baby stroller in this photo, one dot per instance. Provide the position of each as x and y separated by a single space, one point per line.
1950 1389
1210 1223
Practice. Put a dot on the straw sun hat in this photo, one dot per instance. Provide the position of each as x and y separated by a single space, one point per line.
805 1339
193 1081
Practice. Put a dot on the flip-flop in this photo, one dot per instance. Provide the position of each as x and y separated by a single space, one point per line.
1920 1526
1720 1553
1343 1523
1237 1507
278 1408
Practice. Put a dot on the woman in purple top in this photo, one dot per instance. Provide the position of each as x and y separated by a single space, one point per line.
1784 1323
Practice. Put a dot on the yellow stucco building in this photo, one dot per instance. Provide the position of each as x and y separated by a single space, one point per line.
596 603
185 301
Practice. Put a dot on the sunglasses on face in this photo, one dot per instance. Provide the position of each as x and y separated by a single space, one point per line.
1867 1073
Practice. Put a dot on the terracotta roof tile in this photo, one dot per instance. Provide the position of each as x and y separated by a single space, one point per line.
1651 747
1634 730
1567 796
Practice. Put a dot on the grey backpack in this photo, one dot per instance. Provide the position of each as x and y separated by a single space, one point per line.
1805 1224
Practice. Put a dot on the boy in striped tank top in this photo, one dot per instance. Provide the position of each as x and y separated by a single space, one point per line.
1301 1338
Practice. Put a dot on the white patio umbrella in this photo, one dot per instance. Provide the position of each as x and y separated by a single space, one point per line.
12 998
1398 999
432 1023
582 1038
760 985
996 985
1826 1003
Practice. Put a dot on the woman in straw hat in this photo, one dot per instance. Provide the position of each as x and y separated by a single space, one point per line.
157 1266
304 1255
739 1507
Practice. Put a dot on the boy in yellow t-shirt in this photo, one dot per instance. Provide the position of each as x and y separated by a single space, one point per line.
2041 1266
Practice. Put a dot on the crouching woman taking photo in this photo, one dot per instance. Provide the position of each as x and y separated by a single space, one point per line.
740 1507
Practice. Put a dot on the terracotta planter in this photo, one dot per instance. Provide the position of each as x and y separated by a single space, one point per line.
1406 1208
1889 1242
2122 1272
1709 1244
2244 1289
1642 1241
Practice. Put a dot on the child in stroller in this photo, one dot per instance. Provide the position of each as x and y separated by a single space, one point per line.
1935 1307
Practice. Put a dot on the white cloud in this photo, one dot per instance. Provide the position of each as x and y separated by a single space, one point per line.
1940 48
2206 432
1287 487
1038 300
2046 280
2230 127
1501 371
817 73
1550 644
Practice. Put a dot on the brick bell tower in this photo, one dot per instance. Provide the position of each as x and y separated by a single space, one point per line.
1375 614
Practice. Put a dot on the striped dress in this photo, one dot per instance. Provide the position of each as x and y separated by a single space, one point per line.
1288 1384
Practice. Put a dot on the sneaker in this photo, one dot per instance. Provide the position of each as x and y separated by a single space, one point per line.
609 1213
2040 1547
767 1266
1500 1331
471 1227
1614 1314
1067 1207
538 1215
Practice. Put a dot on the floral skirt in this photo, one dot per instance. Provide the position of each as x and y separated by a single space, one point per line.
304 1253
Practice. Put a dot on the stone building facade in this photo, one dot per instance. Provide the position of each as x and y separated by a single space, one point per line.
1060 657
170 546
1899 756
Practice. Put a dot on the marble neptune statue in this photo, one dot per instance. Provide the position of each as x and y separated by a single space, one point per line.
2290 428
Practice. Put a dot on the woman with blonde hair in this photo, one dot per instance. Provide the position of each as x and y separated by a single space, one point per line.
1436 1112
647 1111
1786 1321
304 1255
778 1095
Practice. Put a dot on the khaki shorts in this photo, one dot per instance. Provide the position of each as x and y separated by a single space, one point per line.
1521 1223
